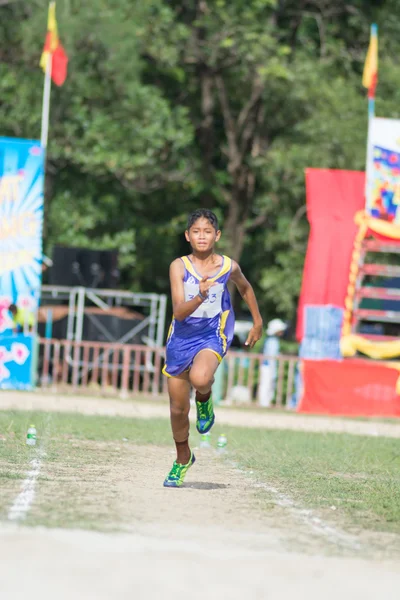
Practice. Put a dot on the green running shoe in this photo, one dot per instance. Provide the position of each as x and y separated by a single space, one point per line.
178 472
205 416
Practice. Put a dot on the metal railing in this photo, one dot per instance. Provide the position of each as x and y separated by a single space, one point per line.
243 369
126 370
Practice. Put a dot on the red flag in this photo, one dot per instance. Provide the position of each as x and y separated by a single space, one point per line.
53 50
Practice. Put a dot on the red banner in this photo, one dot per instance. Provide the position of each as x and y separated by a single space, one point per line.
352 387
333 199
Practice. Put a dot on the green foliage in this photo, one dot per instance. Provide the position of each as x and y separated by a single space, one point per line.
172 105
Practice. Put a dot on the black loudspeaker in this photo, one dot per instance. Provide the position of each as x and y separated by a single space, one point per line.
93 328
83 267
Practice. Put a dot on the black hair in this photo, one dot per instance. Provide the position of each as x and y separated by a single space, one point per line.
12 308
203 213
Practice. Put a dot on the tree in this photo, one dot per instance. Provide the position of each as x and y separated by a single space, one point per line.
172 105
249 78
267 84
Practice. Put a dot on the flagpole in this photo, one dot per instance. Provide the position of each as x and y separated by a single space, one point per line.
371 116
371 98
46 102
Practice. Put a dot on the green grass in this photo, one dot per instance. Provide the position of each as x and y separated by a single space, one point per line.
61 426
75 474
358 475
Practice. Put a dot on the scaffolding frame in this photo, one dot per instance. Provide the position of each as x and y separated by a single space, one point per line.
78 297
373 246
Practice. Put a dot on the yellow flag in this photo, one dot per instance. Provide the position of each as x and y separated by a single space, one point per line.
52 41
370 73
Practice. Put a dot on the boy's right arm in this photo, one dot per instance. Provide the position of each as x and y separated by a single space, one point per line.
182 308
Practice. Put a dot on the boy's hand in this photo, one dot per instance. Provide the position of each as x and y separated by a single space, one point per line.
205 285
255 334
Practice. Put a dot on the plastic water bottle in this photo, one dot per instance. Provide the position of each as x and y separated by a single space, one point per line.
205 440
221 443
31 436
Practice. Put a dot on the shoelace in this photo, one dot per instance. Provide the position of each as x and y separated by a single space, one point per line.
203 413
175 471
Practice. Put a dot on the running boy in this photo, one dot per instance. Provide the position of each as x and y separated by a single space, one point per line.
201 331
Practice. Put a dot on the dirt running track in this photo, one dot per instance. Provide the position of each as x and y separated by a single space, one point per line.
209 540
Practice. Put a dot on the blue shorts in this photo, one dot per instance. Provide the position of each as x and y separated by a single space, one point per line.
181 353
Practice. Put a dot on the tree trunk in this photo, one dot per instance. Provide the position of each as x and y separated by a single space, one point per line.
239 209
234 232
206 134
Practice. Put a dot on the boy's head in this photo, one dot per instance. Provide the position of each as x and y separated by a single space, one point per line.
202 230
202 213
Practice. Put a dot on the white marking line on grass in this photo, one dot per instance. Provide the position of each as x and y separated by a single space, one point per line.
24 500
306 515
330 533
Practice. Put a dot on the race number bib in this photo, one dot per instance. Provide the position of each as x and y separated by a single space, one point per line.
210 307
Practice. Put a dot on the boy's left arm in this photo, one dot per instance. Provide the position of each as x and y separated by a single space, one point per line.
246 291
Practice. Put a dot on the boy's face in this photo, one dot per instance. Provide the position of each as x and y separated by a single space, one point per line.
202 235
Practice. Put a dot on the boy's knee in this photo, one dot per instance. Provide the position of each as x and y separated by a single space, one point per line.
178 410
201 381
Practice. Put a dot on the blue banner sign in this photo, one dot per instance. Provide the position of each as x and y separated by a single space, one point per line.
21 225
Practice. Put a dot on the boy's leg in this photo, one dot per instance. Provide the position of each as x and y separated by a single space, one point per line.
201 374
179 398
202 377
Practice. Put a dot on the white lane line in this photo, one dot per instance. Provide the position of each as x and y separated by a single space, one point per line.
330 533
307 516
24 500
